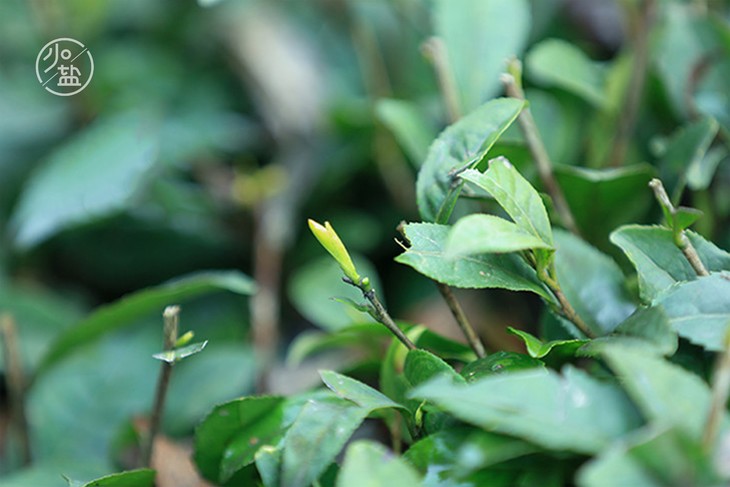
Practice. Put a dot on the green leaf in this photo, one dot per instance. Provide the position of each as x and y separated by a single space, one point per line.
176 355
480 234
268 463
584 414
647 329
143 477
316 437
682 39
421 366
479 35
607 190
700 174
125 310
245 424
426 255
663 391
408 124
499 363
592 283
369 464
95 174
558 63
686 149
655 457
361 394
462 145
615 467
658 261
454 453
700 310
684 217
516 195
539 349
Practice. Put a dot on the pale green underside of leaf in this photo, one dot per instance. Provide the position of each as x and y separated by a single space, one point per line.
488 234
571 411
516 195
699 310
426 255
663 391
659 263
463 144
357 392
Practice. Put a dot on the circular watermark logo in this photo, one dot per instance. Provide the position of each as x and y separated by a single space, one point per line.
64 66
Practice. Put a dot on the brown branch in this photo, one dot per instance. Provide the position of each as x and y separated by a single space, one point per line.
15 379
536 147
471 336
640 26
171 317
435 51
379 312
383 317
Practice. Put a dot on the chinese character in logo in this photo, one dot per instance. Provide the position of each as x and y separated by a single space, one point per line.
64 66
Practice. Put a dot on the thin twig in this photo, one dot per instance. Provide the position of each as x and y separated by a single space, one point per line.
565 307
379 312
513 85
640 28
474 342
681 240
435 51
720 392
457 311
15 380
171 317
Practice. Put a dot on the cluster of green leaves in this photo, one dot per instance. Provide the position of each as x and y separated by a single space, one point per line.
623 398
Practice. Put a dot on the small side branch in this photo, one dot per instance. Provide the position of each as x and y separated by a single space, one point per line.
513 85
379 312
565 307
435 51
680 236
15 379
471 337
171 317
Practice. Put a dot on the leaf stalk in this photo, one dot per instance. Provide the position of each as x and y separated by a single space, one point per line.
512 81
